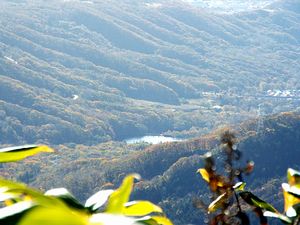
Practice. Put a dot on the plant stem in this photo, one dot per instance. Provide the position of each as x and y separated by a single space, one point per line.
237 201
297 221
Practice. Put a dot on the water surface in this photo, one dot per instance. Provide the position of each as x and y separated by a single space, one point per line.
151 139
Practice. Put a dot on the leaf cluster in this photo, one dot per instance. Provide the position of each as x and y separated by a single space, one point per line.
22 205
223 210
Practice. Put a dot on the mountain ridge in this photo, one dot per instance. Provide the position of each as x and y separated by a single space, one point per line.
131 63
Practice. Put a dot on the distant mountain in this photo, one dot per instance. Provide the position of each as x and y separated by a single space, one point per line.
139 67
229 6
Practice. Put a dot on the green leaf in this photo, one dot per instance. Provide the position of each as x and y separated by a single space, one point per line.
293 190
53 216
155 220
293 176
97 200
140 208
217 203
120 196
240 186
10 215
18 189
283 218
253 200
111 219
291 195
64 195
6 196
13 154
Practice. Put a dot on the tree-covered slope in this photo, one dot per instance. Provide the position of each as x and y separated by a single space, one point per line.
169 170
90 71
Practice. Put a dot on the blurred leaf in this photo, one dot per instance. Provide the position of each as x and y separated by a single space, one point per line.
293 190
13 154
10 215
98 200
283 218
214 181
140 208
253 200
53 216
111 219
120 196
293 176
249 167
19 190
155 220
64 195
6 196
161 220
240 186
291 196
204 174
216 204
293 211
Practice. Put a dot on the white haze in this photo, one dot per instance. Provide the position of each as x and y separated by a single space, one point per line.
231 6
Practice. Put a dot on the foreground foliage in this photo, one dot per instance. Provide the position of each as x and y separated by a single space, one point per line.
26 206
226 207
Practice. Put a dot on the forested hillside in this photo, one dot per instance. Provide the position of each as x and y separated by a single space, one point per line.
87 72
169 170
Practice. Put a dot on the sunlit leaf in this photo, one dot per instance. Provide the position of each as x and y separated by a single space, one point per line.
290 195
64 195
155 220
120 196
294 190
111 219
293 176
4 196
293 211
161 220
253 200
13 154
53 216
217 203
97 200
10 215
19 189
140 208
283 218
204 174
240 186
214 181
